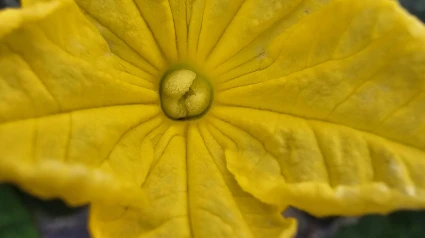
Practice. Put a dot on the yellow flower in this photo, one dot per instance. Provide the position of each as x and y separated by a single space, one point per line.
207 118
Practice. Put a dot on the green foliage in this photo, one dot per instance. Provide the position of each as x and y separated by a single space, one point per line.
15 221
406 224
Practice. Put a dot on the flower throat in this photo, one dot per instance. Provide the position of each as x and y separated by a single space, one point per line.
185 95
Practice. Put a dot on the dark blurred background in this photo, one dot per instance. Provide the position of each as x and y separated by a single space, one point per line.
23 216
416 7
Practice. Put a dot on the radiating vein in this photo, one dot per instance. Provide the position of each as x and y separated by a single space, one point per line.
189 172
153 35
174 28
200 30
356 88
254 138
393 112
291 73
325 160
264 32
123 134
119 37
125 82
25 61
224 31
320 120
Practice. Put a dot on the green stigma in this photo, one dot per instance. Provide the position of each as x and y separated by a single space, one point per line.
185 94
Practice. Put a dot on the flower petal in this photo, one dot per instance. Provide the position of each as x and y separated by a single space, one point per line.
318 166
334 125
208 20
65 102
133 31
249 32
192 194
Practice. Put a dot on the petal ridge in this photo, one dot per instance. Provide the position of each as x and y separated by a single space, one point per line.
360 173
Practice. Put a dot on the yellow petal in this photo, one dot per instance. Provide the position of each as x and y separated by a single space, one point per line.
75 126
330 125
318 166
192 195
208 21
133 31
248 30
65 103
333 125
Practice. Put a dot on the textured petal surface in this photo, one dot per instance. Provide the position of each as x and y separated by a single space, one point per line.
333 125
318 104
82 123
129 33
251 39
65 101
192 197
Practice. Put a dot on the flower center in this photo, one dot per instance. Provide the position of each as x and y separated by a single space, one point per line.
185 94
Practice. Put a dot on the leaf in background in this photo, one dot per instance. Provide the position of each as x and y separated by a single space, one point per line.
406 224
15 221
